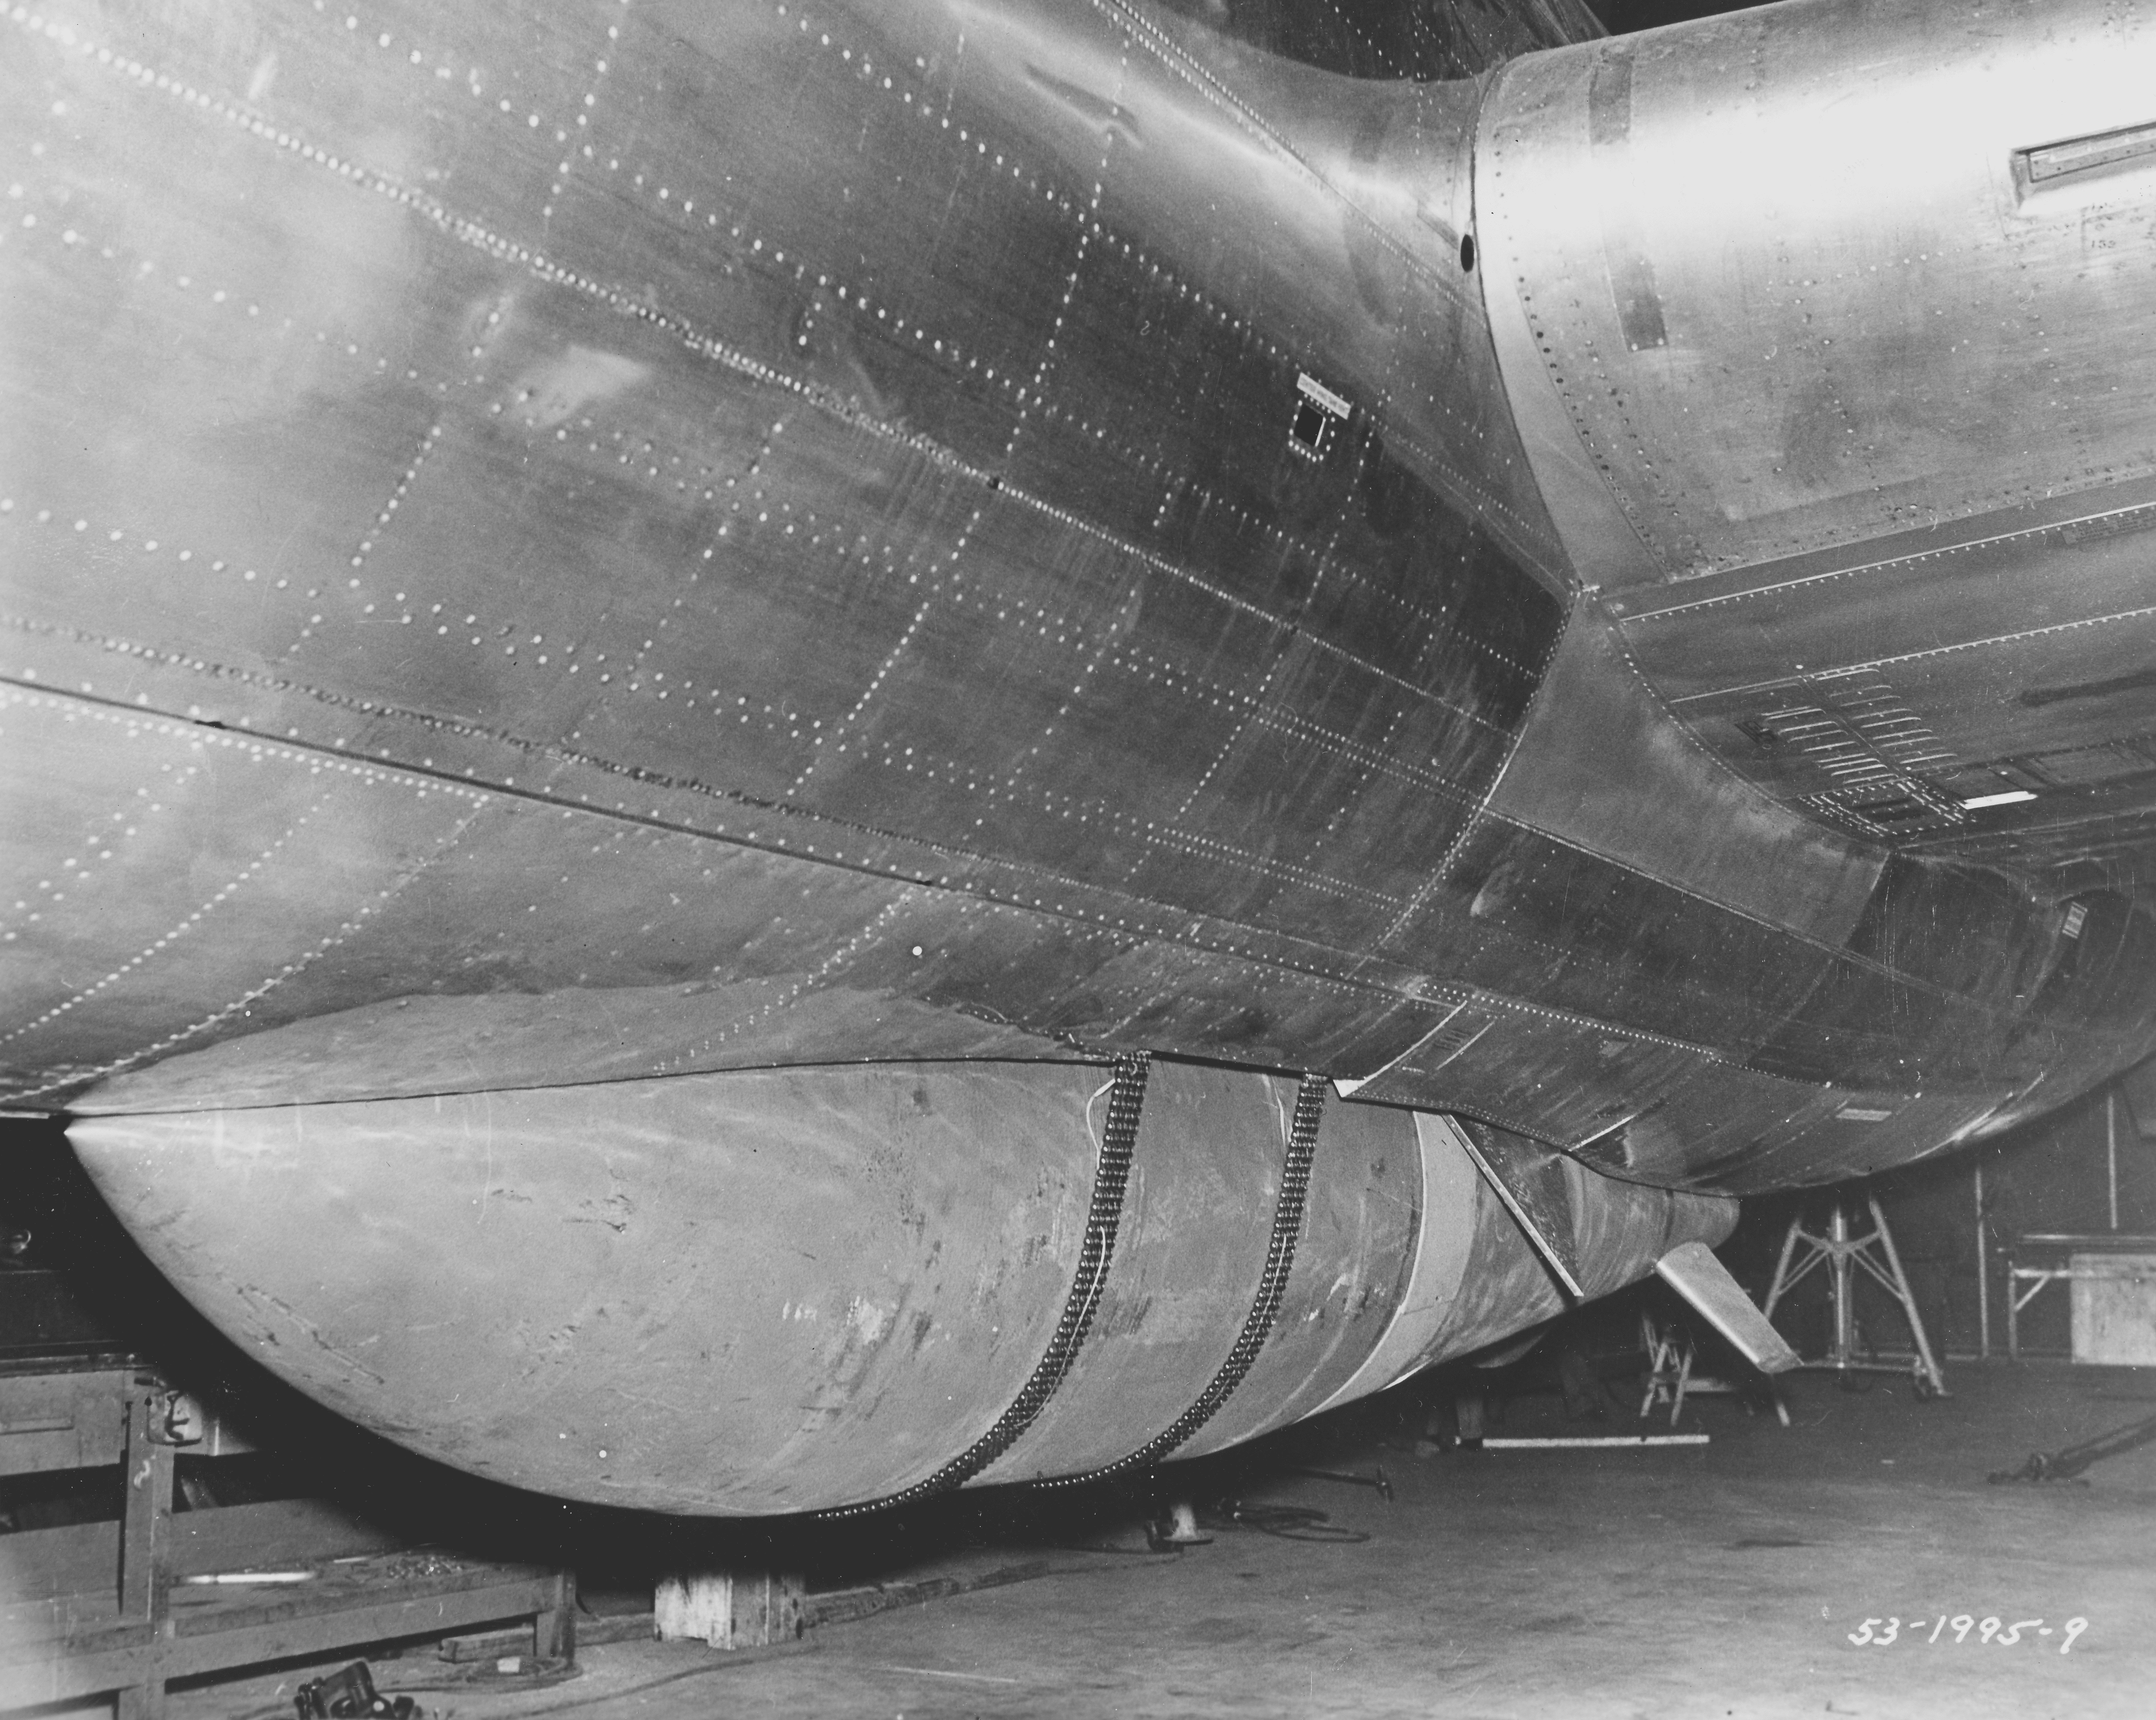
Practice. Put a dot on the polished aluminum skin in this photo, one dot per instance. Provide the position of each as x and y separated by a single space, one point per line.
1597 586
783 1290
1802 278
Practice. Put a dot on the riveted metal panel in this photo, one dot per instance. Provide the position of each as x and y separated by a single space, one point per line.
1793 291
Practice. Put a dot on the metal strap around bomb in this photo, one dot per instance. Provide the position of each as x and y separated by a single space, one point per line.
1111 1181
1265 1307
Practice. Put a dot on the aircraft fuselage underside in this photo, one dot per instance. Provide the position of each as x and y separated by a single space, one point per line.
663 552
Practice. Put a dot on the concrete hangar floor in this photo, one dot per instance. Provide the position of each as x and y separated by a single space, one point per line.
1735 1578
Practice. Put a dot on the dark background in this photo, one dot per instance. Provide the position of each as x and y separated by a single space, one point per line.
1622 16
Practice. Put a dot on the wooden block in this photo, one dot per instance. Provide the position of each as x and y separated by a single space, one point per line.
730 1608
551 1635
485 1644
616 1627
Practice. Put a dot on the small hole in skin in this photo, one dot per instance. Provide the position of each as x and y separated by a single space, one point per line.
1467 251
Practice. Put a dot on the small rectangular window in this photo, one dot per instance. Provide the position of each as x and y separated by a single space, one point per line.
1318 412
1309 426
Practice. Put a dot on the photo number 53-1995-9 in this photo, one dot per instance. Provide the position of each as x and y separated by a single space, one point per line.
1995 1632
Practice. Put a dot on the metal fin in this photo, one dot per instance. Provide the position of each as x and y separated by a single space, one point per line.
1529 1178
1691 1269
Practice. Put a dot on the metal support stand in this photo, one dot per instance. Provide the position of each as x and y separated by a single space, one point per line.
1669 1367
1669 1379
1876 1254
